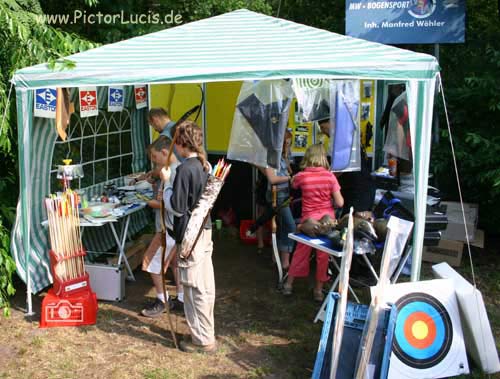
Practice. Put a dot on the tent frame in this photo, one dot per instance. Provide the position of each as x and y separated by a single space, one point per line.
420 85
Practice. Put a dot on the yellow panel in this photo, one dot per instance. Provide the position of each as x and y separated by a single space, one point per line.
220 104
177 99
302 132
367 110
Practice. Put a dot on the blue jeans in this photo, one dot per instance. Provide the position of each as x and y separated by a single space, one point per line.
285 223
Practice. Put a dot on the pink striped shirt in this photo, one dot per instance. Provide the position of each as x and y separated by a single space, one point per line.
317 185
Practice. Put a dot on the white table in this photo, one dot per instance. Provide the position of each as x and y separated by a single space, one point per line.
325 245
122 215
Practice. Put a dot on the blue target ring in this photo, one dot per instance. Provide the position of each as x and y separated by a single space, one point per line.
423 332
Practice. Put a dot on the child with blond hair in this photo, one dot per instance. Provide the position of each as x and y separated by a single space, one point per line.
320 193
158 153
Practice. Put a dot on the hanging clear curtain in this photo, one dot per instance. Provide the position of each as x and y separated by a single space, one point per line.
345 144
259 123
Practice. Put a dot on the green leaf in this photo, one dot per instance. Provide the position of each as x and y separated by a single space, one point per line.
10 289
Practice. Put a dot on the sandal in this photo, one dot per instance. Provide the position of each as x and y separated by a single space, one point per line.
318 296
287 290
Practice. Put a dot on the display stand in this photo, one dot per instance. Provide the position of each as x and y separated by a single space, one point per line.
355 319
69 302
323 244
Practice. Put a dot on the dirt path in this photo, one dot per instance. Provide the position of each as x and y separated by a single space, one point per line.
261 334
255 328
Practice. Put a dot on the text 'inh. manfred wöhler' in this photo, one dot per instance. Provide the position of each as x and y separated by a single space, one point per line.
401 24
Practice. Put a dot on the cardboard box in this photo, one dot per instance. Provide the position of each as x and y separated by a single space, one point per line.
134 253
456 229
479 239
145 239
447 251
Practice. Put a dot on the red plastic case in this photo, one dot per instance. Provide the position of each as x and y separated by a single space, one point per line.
74 310
69 302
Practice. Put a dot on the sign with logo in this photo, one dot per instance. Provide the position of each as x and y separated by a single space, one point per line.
45 102
115 99
141 96
406 21
88 101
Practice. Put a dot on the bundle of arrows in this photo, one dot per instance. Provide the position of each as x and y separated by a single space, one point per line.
221 169
64 234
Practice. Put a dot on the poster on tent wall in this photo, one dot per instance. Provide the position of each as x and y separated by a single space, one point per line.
368 100
45 103
88 101
406 21
428 339
115 99
141 96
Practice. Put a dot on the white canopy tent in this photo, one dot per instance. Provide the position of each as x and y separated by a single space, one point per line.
240 45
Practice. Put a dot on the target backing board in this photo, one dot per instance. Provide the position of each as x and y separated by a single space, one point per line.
428 339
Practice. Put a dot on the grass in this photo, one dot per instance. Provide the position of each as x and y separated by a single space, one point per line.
261 334
159 373
37 342
258 372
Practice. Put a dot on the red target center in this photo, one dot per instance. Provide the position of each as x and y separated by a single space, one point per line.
420 330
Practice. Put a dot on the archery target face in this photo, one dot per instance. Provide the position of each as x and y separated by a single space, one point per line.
428 340
423 333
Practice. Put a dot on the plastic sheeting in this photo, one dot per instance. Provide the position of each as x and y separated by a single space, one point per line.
313 97
345 144
399 230
398 142
259 123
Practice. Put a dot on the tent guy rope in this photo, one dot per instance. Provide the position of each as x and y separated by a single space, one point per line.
457 176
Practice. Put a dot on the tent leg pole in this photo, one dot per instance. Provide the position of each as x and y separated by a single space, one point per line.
29 297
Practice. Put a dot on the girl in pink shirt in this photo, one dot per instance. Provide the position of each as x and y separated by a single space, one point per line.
319 187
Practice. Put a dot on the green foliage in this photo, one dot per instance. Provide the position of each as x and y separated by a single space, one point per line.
197 9
7 268
471 82
190 10
328 15
26 40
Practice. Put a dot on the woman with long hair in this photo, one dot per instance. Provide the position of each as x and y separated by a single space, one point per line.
196 272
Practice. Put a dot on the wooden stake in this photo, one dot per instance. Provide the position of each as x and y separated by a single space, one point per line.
375 308
345 266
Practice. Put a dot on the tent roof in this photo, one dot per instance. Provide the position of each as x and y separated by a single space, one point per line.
240 45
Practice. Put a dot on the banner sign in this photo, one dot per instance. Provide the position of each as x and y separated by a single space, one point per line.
45 103
141 96
88 101
406 21
115 99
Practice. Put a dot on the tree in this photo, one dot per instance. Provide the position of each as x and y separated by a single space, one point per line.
190 10
470 76
27 40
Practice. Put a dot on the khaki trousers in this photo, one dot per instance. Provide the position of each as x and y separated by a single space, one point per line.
197 276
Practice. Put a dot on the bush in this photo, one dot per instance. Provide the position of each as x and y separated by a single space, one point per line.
7 268
474 107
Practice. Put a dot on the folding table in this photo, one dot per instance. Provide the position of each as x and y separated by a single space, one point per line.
122 215
325 245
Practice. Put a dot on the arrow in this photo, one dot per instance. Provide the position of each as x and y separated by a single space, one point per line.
116 95
47 96
88 98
